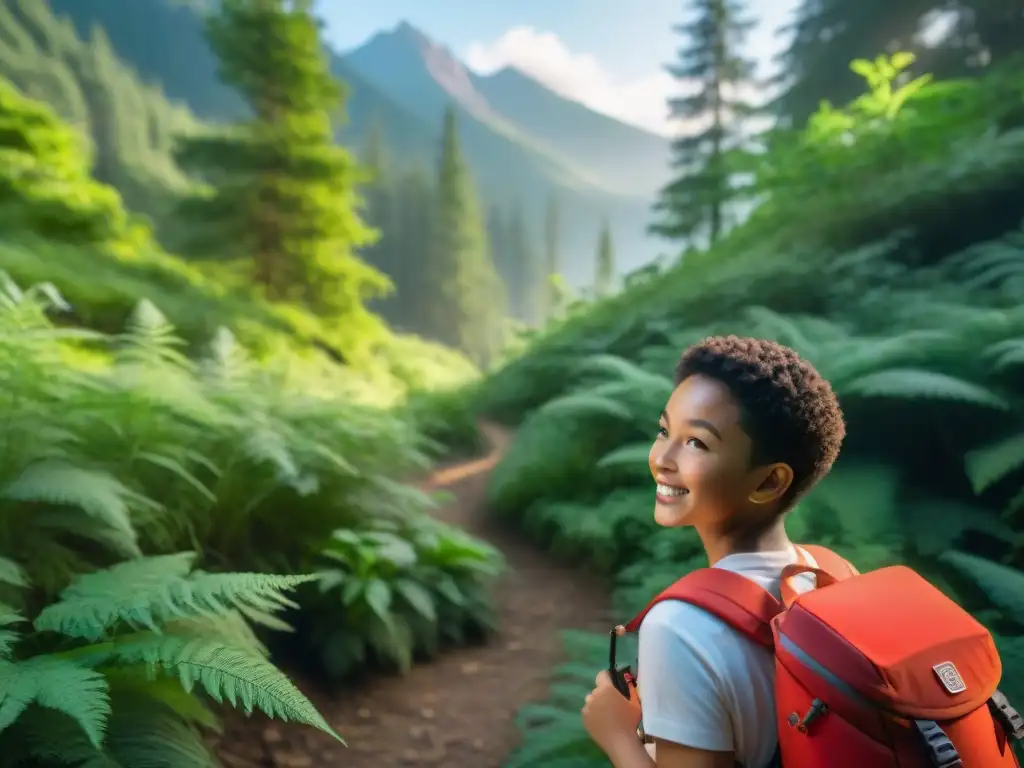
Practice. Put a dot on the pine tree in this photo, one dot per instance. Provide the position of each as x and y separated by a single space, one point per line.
381 213
281 194
524 275
499 237
694 202
552 262
464 295
415 209
604 267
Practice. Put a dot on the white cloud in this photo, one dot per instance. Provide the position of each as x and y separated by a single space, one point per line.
578 76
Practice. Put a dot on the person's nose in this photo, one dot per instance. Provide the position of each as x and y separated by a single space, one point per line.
663 457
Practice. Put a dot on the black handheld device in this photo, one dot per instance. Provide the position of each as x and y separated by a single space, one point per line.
622 677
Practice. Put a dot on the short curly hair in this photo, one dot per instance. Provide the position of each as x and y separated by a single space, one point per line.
790 411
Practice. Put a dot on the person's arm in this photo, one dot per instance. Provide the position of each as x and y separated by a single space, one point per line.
681 691
669 755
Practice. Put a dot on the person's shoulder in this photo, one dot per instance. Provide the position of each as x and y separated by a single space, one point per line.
680 630
688 624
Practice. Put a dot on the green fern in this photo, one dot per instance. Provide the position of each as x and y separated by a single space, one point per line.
150 591
633 458
195 633
150 339
987 466
910 383
1004 586
97 494
56 684
584 405
226 674
11 573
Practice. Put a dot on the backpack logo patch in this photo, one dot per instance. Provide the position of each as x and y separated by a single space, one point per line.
949 677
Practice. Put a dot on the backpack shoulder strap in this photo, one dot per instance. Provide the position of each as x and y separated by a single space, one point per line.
830 562
741 603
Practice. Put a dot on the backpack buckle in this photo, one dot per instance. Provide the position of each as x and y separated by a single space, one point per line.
941 751
1007 716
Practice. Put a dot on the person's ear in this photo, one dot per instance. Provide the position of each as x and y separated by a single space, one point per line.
775 481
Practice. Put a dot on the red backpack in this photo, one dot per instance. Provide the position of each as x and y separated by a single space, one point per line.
877 669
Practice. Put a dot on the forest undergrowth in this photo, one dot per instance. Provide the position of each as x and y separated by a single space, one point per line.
867 257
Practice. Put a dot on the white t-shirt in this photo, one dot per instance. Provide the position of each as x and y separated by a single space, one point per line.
704 685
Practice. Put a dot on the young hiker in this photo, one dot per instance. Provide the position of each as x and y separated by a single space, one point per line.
749 428
741 664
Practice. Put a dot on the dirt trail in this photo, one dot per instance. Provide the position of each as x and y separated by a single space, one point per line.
457 711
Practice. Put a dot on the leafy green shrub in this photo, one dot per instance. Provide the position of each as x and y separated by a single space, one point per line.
447 417
103 676
410 587
153 452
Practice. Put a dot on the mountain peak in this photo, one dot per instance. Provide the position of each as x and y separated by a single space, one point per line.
407 55
406 32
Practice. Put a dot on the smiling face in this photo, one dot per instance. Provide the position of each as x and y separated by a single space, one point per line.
701 461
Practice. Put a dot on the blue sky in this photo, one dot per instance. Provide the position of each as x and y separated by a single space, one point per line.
601 52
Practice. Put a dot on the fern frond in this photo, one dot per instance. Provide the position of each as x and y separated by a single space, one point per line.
12 574
632 457
618 369
149 338
584 405
987 466
98 494
77 691
138 682
226 674
226 360
149 591
786 330
45 737
58 522
856 358
144 733
1006 354
910 383
231 628
1003 585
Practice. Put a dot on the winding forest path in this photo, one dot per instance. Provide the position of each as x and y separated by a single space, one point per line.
458 710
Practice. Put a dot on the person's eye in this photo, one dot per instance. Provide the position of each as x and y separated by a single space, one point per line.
662 432
693 442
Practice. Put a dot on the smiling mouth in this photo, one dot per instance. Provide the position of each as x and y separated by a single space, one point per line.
668 494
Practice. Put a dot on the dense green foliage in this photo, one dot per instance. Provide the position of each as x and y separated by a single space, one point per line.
851 259
64 227
949 40
46 183
129 449
92 681
131 126
146 452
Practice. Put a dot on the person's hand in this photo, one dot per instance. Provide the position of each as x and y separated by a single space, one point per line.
609 716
